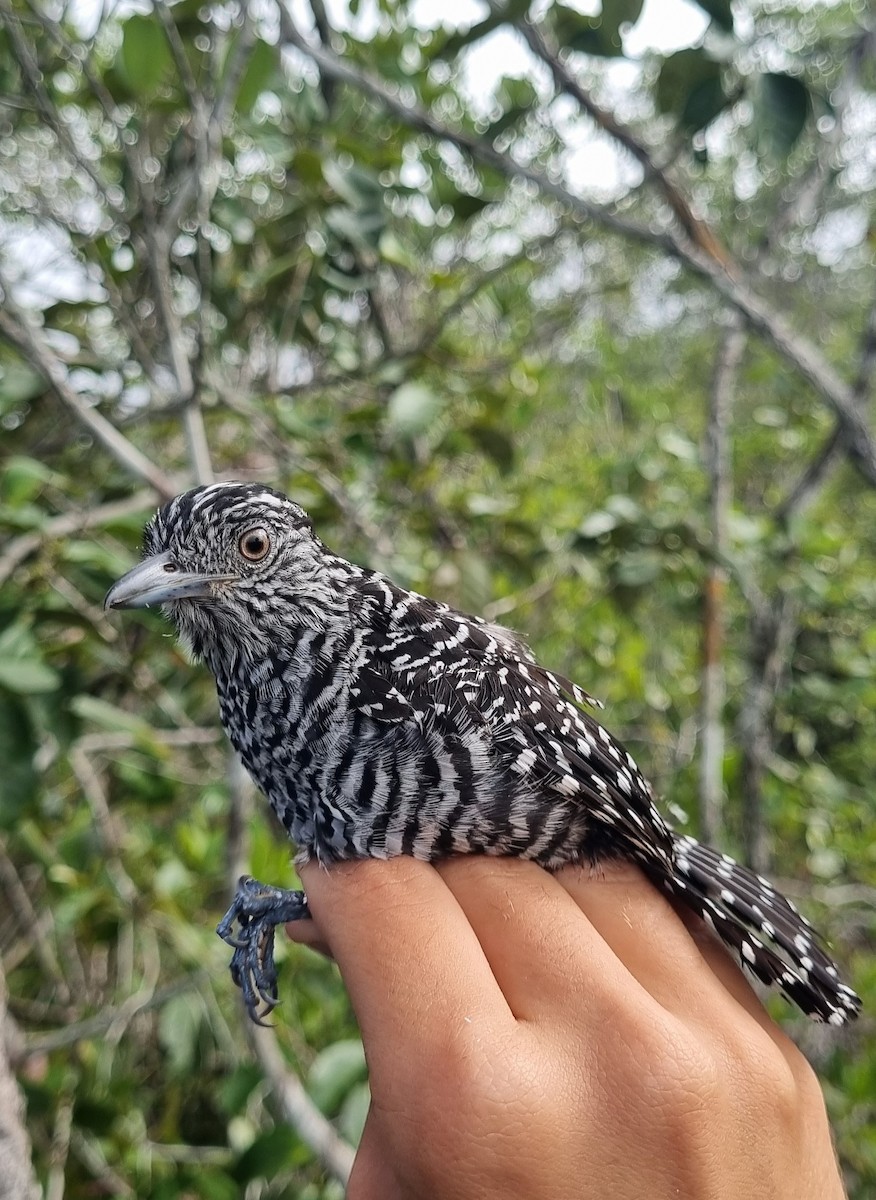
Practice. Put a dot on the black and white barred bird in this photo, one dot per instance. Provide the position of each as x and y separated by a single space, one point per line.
378 722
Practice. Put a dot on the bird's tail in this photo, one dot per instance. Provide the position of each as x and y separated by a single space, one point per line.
771 939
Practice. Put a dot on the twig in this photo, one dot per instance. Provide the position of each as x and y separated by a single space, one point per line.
240 793
97 1026
17 326
299 1110
20 903
816 472
87 1149
192 735
105 822
60 1148
196 1156
696 230
62 526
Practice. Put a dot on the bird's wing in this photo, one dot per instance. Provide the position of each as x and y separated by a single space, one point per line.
447 666
376 695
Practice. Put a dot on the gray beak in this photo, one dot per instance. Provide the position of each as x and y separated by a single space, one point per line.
158 580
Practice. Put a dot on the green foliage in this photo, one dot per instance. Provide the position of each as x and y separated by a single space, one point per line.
467 388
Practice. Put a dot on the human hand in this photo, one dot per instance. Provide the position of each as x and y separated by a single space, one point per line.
559 1037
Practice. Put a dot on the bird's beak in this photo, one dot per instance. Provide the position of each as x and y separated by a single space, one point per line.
158 580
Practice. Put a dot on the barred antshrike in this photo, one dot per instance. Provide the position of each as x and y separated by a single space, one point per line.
379 722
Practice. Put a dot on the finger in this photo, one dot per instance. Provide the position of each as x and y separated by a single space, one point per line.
732 978
647 935
415 971
308 933
373 1177
670 951
541 947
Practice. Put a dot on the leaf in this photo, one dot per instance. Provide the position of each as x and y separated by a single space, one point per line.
267 1156
144 55
782 105
359 227
260 67
689 85
495 443
19 383
28 676
638 568
597 523
178 1027
101 712
334 1072
23 479
353 185
674 442
17 748
22 670
616 13
458 41
465 205
354 1110
236 1088
412 408
600 35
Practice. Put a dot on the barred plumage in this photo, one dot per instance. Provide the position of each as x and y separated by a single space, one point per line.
378 722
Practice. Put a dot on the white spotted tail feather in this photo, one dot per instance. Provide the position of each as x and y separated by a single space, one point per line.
772 940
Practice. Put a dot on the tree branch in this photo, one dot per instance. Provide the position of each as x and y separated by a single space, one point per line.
299 1110
62 526
797 351
17 326
834 449
699 233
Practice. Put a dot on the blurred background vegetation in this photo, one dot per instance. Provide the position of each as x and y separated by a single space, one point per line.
564 328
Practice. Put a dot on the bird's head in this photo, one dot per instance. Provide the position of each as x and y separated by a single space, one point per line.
233 564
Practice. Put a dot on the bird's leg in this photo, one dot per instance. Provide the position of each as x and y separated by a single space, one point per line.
258 908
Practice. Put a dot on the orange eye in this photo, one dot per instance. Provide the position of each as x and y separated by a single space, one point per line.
254 544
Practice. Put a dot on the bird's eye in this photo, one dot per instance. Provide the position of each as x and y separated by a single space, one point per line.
254 544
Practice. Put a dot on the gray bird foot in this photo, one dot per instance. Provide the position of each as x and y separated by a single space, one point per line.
258 908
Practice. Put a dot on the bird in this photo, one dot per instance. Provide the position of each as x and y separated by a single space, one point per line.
378 722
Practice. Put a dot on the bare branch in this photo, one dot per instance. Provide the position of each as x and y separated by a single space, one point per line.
17 326
88 1150
98 1025
699 233
105 822
835 448
180 58
299 1110
19 903
72 522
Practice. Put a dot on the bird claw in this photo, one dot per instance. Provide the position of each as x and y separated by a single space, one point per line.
258 908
